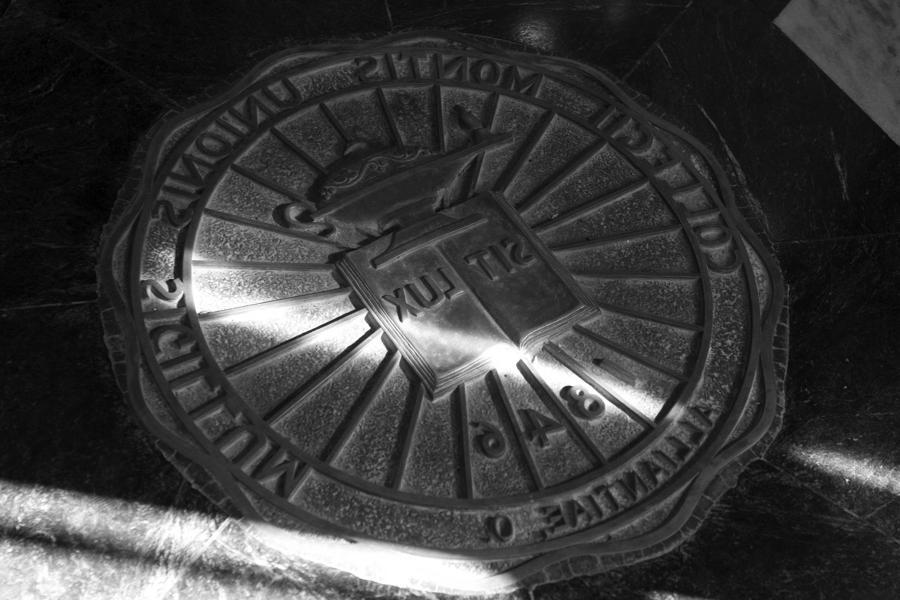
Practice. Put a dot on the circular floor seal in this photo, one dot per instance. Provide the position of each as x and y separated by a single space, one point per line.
448 302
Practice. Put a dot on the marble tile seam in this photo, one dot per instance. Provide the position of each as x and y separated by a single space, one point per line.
880 508
656 43
387 13
860 519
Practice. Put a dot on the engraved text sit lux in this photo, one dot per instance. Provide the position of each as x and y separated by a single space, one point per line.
506 257
424 293
431 290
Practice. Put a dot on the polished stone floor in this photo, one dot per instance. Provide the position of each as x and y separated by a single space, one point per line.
89 508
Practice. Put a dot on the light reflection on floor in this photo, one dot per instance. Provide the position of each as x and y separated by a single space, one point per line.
62 544
863 470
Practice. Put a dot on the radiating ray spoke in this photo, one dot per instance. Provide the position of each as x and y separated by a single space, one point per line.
345 431
582 373
245 265
612 239
287 406
649 317
495 385
389 117
418 400
475 174
553 403
335 123
518 161
294 343
272 185
223 216
441 134
323 296
376 384
493 103
296 149
635 356
588 208
560 176
465 446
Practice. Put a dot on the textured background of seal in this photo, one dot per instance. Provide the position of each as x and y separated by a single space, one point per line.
791 528
636 210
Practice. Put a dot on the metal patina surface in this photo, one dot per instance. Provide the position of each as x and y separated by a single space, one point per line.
450 300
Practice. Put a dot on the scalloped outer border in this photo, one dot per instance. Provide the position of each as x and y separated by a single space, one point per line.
695 502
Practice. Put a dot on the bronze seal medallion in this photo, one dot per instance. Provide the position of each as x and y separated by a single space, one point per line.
459 302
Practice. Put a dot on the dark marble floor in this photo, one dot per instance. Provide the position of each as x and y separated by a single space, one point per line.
82 80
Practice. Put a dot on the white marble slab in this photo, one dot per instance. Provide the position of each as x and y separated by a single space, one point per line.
857 44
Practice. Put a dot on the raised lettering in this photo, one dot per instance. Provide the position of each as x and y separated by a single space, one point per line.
366 67
251 114
499 529
194 177
652 471
513 80
291 95
632 483
553 519
431 297
217 405
508 255
238 442
426 292
172 341
485 71
489 440
517 253
703 414
682 450
177 218
282 469
584 403
403 307
161 295
537 426
568 514
572 511
480 259
451 291
452 68
213 144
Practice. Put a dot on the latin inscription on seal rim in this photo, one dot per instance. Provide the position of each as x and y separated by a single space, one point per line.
451 298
